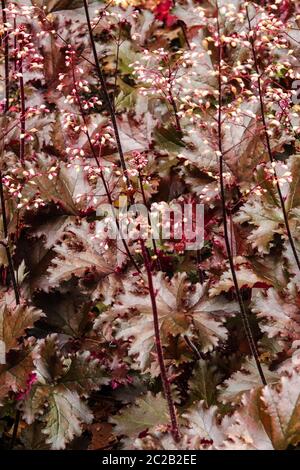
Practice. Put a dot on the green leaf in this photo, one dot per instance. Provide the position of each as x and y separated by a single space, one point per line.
127 96
127 55
168 139
147 412
65 414
203 383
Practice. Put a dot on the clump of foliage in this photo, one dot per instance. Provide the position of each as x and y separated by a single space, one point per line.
149 344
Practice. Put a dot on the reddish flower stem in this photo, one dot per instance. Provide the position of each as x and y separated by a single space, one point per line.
5 243
268 143
22 111
3 208
15 45
116 68
172 101
165 381
2 196
149 219
174 106
200 273
6 56
244 316
159 349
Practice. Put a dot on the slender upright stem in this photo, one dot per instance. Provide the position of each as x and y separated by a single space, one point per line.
3 206
116 68
149 219
174 106
268 142
200 273
22 111
6 54
244 316
165 381
15 45
159 349
2 196
6 243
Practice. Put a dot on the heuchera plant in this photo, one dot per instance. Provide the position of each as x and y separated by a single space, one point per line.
144 341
